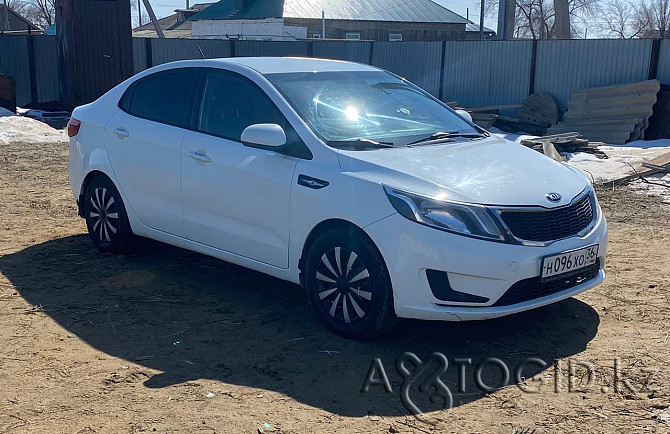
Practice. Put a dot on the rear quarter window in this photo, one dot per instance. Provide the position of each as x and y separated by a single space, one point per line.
165 97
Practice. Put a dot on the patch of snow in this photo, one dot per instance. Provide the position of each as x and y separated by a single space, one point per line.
619 163
512 137
578 157
655 189
621 157
19 129
646 144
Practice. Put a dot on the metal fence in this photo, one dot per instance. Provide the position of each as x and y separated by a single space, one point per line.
475 73
564 66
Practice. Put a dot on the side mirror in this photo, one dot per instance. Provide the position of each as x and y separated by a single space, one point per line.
465 115
264 136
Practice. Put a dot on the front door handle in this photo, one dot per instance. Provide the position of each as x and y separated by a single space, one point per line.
200 156
121 132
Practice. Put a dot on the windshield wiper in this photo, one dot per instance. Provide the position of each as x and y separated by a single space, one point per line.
359 144
443 135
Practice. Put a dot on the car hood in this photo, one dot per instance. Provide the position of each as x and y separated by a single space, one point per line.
489 171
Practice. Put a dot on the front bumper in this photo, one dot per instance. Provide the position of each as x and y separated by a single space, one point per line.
479 270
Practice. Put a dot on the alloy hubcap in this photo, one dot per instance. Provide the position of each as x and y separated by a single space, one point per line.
104 216
344 285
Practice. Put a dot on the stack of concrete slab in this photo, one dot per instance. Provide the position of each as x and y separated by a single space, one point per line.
613 114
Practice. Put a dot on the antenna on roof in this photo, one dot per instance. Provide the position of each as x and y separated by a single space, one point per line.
201 53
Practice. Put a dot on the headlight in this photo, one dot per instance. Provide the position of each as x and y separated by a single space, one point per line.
470 220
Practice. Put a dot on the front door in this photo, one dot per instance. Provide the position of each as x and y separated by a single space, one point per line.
236 198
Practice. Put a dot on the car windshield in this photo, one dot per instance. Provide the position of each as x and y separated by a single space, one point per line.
369 108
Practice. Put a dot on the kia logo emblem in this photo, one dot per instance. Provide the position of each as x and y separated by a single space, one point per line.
553 197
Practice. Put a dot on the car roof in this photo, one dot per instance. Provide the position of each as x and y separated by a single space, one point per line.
276 65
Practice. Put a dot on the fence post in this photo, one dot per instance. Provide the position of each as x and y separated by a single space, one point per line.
533 62
372 49
31 67
443 56
310 49
148 52
653 60
232 47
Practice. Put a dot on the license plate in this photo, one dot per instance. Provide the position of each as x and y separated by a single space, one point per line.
566 262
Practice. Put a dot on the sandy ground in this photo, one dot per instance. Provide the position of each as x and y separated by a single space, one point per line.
94 343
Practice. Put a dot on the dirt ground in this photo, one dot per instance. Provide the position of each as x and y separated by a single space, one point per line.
164 340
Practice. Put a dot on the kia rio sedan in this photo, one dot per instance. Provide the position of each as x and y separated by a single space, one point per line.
377 198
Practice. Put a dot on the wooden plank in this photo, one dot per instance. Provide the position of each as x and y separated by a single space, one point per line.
655 167
492 107
663 160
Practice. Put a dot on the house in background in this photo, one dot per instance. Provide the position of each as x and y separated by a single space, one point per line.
176 25
290 20
12 21
472 32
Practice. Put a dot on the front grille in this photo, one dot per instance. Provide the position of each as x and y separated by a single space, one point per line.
530 289
550 225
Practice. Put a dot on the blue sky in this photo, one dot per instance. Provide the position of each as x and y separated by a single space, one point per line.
167 7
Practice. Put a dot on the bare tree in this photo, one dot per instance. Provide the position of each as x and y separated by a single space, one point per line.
19 6
622 20
653 19
44 12
41 13
649 19
536 19
135 16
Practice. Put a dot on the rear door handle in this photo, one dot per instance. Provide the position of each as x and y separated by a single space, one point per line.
200 156
121 132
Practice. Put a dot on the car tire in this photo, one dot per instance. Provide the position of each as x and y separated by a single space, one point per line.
348 284
106 217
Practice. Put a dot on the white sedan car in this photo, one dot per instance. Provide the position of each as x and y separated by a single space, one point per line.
381 201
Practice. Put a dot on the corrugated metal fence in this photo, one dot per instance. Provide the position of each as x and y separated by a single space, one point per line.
563 66
475 73
485 73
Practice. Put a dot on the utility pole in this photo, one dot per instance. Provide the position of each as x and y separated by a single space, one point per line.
323 24
562 14
467 14
506 13
154 20
481 20
139 12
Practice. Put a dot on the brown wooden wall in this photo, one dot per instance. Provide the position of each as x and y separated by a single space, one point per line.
95 48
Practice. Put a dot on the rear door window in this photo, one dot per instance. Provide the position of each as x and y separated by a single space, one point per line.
165 97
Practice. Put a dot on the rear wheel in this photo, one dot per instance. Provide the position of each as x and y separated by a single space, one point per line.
106 217
348 284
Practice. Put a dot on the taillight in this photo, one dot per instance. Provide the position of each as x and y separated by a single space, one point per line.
73 127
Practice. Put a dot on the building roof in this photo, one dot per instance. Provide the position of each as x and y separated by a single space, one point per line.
30 25
473 27
170 22
420 11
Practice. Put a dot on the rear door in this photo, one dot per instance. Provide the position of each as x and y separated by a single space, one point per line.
144 140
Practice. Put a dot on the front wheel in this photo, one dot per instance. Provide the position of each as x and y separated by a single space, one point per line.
348 284
106 217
